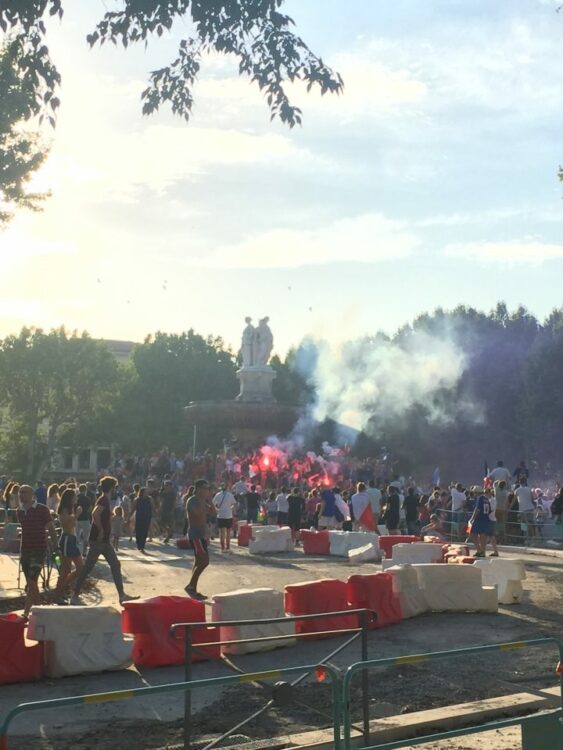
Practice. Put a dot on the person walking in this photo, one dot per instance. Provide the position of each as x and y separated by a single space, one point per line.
411 505
83 517
199 507
224 502
142 506
253 501
167 507
100 544
35 521
68 545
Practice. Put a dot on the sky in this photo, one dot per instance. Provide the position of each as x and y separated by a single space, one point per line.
431 181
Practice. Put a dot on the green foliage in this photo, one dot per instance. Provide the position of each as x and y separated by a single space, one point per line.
289 386
254 31
167 372
22 99
54 386
511 386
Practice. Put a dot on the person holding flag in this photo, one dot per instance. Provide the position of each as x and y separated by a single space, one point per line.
361 508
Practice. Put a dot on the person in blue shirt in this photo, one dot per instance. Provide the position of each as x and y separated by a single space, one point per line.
40 493
481 526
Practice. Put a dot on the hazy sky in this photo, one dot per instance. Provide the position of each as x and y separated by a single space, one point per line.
431 181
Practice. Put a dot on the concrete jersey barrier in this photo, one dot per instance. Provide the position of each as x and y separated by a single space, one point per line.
455 588
250 604
506 575
80 640
342 542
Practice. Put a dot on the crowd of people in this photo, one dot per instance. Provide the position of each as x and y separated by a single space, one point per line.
85 521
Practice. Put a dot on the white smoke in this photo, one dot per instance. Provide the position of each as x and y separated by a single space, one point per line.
375 380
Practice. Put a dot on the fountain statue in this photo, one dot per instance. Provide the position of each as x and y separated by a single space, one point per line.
255 375
255 413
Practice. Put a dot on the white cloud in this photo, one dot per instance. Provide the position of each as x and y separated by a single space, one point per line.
368 238
515 252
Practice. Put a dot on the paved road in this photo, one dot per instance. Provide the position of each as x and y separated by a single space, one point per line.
166 570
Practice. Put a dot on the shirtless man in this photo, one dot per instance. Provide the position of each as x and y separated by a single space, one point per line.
199 508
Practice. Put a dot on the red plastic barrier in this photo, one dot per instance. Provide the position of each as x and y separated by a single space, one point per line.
244 534
18 662
375 592
315 542
315 597
149 620
387 542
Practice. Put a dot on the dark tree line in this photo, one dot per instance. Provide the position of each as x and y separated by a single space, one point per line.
511 391
67 390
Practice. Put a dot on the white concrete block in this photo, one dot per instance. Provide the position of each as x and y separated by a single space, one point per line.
341 542
455 588
368 553
271 540
258 531
406 585
80 640
250 604
506 575
417 552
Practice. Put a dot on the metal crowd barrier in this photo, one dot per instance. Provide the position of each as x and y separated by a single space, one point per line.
365 618
118 695
280 693
441 655
513 529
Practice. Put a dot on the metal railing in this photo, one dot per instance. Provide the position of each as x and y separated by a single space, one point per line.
436 656
279 694
366 618
512 527
119 695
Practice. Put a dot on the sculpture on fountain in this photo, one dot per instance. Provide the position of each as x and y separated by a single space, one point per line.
255 375
255 413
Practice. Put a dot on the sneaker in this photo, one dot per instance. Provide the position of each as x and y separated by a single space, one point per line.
191 592
493 554
479 554
76 601
128 598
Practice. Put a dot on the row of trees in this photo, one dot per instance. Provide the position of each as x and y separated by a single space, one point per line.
508 403
59 389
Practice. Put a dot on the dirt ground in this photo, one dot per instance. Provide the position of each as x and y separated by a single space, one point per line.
393 690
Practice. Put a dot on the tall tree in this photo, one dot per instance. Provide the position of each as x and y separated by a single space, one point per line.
52 384
21 149
255 32
169 371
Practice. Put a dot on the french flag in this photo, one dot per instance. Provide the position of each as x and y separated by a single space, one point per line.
366 517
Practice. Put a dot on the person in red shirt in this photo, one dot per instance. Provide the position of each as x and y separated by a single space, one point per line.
35 520
100 544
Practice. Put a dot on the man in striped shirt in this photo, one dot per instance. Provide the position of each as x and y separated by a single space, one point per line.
35 520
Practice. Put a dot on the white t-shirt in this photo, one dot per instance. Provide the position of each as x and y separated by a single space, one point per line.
283 505
375 499
224 501
524 495
240 488
500 473
458 500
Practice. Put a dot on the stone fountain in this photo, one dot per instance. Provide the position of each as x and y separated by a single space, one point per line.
254 414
